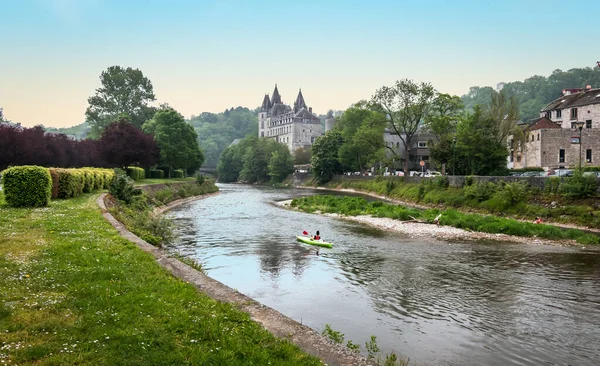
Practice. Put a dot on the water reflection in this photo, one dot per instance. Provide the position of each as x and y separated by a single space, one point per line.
436 302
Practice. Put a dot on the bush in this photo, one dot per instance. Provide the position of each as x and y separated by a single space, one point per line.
54 174
27 186
89 179
552 185
157 173
136 173
579 186
121 187
70 183
200 179
178 173
479 191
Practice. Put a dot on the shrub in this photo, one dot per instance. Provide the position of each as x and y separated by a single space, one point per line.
579 186
136 173
108 177
479 191
552 185
55 185
67 183
178 173
121 187
98 179
469 180
27 186
200 179
157 173
89 178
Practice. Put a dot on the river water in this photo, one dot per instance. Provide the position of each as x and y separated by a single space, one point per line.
435 302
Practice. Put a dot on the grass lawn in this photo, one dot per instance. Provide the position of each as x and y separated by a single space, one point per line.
143 182
74 292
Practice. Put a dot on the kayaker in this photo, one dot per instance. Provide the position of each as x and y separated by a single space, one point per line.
317 236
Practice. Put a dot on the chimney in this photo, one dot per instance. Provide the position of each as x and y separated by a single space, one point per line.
310 109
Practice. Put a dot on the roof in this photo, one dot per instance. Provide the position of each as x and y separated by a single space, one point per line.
541 123
299 103
303 113
276 97
587 97
266 104
279 108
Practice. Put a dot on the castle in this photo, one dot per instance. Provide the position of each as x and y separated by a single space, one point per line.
297 127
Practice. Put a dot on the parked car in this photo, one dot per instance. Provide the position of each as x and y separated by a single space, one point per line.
560 173
533 174
592 174
432 174
414 173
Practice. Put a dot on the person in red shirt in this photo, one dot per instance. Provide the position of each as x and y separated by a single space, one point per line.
317 236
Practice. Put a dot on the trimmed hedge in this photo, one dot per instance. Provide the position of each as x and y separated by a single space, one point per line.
27 186
178 173
136 173
157 173
69 183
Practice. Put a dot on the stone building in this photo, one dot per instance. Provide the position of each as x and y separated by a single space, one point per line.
296 127
553 140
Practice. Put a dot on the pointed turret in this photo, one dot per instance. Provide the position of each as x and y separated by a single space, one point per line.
299 103
276 99
266 104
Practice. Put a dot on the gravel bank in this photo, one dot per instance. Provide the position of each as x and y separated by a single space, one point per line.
419 230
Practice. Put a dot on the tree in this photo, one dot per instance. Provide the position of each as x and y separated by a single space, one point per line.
478 151
405 105
324 160
302 156
504 112
177 140
281 164
124 92
122 145
446 113
362 131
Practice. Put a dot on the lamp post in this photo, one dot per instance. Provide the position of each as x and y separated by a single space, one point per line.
580 127
453 154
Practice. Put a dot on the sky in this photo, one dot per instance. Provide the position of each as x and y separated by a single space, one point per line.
209 55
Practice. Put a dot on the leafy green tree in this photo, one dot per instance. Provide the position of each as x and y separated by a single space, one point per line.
478 151
446 113
405 105
281 164
324 160
124 92
362 131
177 140
504 112
302 156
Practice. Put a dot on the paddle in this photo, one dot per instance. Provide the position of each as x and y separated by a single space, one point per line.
305 232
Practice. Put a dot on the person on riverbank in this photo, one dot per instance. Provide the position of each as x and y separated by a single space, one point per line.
538 220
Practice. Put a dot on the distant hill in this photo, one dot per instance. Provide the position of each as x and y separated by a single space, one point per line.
78 132
536 92
217 131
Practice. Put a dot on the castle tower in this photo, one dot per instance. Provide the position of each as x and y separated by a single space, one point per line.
299 103
263 114
276 99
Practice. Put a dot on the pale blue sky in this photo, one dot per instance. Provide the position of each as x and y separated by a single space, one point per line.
213 54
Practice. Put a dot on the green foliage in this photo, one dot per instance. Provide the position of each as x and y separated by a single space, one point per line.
302 156
281 164
534 93
125 92
479 191
70 183
579 186
217 131
177 140
200 179
178 173
334 335
372 347
121 187
157 173
324 160
136 173
353 346
27 186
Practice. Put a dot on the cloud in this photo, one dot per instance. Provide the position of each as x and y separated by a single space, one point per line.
71 11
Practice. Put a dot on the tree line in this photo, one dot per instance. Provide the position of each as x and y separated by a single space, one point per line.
534 93
125 130
471 142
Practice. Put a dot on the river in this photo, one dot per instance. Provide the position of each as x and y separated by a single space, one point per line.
435 302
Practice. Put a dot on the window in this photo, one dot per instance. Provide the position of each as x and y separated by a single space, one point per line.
425 158
588 155
532 137
512 156
561 155
549 114
422 144
538 137
575 139
262 134
518 158
588 123
573 113
558 113
262 124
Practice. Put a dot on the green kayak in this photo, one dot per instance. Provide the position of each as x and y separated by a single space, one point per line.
307 240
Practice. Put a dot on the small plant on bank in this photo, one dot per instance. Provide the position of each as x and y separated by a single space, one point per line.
372 347
579 186
200 179
334 335
121 187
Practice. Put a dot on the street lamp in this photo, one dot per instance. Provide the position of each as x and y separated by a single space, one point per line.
453 154
580 126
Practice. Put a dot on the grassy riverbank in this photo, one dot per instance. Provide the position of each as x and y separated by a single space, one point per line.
74 292
354 206
515 200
